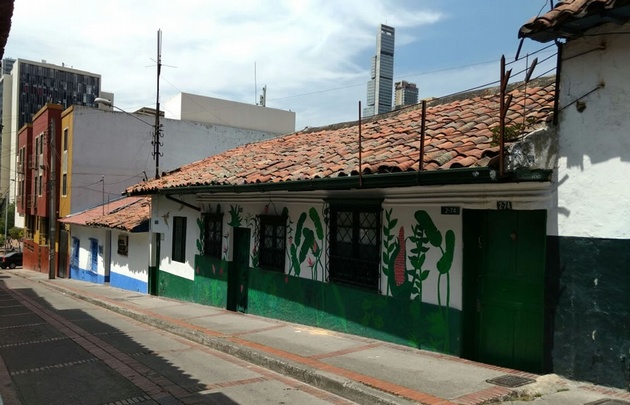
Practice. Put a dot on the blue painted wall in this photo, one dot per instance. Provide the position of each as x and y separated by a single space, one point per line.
127 283
78 273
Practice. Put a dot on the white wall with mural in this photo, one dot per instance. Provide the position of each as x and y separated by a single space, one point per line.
422 248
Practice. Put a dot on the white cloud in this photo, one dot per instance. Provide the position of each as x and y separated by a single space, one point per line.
301 48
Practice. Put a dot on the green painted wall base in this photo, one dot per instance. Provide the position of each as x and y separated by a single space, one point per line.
208 288
326 305
355 311
588 309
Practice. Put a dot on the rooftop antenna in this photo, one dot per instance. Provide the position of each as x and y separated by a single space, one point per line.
263 97
255 86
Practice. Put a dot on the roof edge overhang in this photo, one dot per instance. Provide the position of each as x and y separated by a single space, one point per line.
142 227
576 27
382 180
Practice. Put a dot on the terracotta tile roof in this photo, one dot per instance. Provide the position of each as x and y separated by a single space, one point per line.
129 214
571 18
458 134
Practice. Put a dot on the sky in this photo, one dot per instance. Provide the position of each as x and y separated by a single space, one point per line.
313 56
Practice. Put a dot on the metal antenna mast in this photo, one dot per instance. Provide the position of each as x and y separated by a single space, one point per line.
158 129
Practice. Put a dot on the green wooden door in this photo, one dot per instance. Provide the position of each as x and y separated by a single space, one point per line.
238 275
504 260
154 270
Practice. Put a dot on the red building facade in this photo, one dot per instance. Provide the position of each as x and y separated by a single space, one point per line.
37 159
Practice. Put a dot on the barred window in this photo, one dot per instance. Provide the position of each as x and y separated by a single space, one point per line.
272 242
355 244
212 234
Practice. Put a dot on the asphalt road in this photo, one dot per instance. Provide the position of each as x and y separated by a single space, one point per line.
55 349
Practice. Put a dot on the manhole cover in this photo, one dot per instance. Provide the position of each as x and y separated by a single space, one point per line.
608 401
511 381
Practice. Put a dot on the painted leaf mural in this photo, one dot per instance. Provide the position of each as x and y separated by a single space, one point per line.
445 262
305 241
390 247
426 224
200 224
235 216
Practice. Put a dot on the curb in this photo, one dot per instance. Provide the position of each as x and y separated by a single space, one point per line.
343 387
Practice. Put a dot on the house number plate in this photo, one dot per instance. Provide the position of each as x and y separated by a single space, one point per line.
450 210
504 205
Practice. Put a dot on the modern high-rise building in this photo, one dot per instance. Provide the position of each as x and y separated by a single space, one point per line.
25 87
405 94
380 86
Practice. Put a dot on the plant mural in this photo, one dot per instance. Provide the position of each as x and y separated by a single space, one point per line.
306 240
202 235
412 255
235 216
404 282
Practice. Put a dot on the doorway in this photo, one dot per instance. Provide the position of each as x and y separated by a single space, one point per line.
62 270
504 269
238 275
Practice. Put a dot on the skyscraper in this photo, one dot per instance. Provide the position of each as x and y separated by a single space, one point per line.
405 94
380 86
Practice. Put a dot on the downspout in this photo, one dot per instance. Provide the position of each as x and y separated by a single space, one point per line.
556 101
107 255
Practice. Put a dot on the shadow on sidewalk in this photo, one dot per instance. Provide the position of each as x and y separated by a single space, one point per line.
60 356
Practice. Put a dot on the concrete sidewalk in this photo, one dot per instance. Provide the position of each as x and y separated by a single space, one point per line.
363 370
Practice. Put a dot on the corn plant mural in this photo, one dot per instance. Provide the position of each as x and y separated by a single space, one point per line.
401 281
407 282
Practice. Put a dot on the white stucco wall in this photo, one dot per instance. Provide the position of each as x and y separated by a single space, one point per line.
136 263
118 147
164 211
593 173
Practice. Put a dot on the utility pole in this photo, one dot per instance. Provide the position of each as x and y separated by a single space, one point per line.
103 193
157 130
155 245
52 215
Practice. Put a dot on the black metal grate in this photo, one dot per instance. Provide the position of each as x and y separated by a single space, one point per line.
511 381
608 401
